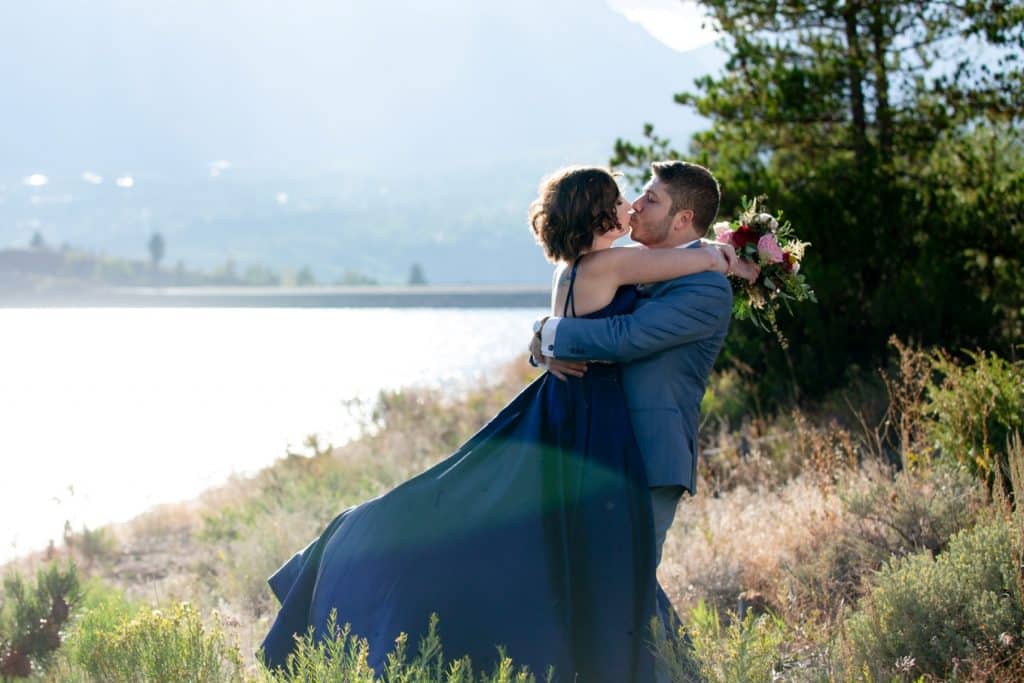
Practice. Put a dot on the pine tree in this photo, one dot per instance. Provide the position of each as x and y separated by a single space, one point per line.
156 249
416 275
889 134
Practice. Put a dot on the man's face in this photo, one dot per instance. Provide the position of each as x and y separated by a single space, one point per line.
651 222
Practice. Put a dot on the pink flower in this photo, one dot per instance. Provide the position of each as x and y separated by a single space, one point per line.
768 249
723 232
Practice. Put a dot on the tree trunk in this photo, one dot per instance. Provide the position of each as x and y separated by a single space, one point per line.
883 113
856 76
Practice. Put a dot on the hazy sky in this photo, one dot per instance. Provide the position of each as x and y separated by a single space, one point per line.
118 85
273 131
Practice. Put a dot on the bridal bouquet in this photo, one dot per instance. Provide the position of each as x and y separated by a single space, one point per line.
771 243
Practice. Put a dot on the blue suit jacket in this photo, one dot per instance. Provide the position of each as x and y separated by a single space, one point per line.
669 345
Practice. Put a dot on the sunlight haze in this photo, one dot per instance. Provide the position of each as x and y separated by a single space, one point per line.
679 24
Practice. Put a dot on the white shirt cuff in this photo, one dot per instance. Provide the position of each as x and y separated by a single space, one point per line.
547 337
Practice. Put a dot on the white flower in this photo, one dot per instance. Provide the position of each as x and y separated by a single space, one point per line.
721 227
767 219
796 248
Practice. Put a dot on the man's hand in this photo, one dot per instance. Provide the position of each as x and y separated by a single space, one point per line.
561 369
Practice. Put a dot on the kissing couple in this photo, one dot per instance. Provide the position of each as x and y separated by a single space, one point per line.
542 533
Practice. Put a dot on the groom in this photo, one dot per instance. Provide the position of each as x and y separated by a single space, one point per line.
668 344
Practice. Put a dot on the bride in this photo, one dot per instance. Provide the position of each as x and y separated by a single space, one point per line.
537 533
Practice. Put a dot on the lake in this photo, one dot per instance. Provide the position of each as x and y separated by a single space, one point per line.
105 412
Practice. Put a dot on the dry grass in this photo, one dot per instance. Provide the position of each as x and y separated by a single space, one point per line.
740 542
791 513
804 550
763 453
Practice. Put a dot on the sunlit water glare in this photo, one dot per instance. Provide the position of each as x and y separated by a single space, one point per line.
106 412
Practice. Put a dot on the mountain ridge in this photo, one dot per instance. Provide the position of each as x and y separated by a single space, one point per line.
392 135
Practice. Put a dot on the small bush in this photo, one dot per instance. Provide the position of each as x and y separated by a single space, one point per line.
113 644
924 614
92 545
32 618
100 611
885 514
345 657
911 511
746 650
976 409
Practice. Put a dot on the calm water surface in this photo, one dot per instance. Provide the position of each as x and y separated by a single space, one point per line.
106 412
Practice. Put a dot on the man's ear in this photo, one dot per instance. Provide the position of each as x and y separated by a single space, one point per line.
683 219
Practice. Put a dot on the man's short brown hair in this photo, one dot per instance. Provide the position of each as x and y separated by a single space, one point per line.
690 186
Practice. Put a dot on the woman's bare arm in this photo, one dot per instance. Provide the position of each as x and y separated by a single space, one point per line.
636 265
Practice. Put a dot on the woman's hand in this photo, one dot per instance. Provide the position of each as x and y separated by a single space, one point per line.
723 257
734 265
746 270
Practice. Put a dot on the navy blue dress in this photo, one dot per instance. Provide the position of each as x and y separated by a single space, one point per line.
536 534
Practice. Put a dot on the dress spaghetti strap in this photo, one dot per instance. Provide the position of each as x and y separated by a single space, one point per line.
569 299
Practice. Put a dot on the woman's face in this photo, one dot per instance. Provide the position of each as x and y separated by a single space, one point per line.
623 212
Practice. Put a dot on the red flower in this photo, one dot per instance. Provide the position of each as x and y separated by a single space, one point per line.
789 262
743 236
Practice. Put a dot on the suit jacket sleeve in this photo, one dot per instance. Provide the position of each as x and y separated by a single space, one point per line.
687 310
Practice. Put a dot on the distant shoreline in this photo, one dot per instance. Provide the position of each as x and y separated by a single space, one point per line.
371 296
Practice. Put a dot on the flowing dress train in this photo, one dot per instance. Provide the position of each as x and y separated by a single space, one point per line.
536 535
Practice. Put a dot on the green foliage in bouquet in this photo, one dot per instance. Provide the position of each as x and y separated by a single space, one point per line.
770 242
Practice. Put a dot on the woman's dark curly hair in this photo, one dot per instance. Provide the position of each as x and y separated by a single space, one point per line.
572 205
